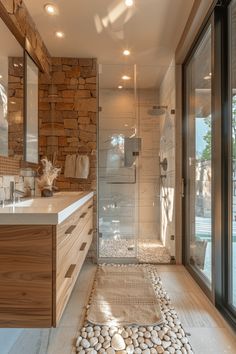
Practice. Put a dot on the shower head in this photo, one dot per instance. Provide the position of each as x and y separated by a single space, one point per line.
157 110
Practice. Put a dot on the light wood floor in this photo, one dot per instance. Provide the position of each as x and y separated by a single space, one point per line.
209 333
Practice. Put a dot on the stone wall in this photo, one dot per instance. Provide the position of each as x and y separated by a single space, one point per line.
67 116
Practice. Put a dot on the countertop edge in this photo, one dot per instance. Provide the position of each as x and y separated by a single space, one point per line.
45 218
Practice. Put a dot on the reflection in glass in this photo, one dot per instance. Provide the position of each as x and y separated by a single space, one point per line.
32 112
199 136
11 95
232 248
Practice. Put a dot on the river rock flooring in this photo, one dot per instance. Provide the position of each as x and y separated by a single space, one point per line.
167 338
209 333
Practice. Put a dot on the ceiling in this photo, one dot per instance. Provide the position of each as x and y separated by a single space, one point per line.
103 28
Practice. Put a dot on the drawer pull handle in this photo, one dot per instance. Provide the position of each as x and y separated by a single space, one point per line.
83 215
70 230
83 246
70 271
90 206
90 232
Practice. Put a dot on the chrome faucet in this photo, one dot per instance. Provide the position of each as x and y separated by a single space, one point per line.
16 193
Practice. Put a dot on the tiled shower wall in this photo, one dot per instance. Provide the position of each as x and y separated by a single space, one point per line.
148 170
135 206
167 150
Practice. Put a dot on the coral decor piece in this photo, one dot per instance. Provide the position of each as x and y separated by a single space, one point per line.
46 180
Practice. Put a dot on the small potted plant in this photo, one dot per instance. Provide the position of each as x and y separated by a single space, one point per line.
49 174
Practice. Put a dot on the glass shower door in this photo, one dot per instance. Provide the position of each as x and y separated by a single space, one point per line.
117 161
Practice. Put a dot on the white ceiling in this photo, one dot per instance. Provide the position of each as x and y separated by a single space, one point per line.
151 30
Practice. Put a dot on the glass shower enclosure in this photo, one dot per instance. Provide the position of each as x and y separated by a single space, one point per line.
118 146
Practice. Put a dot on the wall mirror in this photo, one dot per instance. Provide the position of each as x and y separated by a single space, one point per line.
11 95
31 112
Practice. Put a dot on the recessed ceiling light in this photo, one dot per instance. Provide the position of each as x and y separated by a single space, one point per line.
126 52
129 3
125 77
0 76
13 102
50 9
120 87
207 77
60 34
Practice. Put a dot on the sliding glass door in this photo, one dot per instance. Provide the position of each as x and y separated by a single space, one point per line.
198 159
209 159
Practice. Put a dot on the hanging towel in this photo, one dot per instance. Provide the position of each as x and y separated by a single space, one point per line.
70 166
82 166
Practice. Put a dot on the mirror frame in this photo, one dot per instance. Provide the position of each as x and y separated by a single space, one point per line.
28 49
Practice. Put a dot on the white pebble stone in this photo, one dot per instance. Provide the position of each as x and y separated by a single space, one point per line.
128 341
156 340
81 351
124 334
183 350
90 335
149 343
143 346
166 344
104 332
160 349
112 331
93 341
102 350
84 334
110 350
140 340
184 340
89 329
137 351
85 343
135 342
97 333
130 349
142 329
106 344
161 334
147 334
79 339
154 333
153 351
118 342
101 339
171 350
146 351
98 346
150 328
97 328
157 328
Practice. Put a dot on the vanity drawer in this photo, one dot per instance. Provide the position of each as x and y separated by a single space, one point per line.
67 275
67 248
77 220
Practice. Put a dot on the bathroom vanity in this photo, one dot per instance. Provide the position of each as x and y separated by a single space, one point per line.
43 244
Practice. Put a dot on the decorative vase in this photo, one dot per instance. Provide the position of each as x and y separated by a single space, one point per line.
46 192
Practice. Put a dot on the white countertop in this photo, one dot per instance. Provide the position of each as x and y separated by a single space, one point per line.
43 211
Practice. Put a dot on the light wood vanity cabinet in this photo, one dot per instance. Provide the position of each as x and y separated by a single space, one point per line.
39 265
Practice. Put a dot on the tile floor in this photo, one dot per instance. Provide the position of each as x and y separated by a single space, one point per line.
209 332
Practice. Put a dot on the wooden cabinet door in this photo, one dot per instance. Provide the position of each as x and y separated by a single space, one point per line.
26 276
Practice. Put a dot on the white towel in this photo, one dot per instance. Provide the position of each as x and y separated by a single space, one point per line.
70 166
82 166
